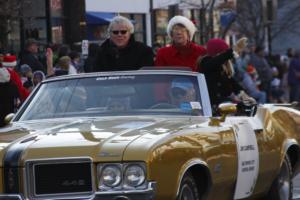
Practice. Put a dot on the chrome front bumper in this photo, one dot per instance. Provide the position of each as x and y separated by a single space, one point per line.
146 194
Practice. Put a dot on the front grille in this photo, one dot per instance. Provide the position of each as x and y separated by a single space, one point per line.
59 177
62 178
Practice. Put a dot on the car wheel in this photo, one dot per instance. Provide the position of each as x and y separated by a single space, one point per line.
188 188
282 186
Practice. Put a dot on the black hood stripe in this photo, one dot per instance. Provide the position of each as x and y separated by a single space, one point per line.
12 167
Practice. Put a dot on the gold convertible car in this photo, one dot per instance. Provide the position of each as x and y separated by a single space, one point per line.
147 134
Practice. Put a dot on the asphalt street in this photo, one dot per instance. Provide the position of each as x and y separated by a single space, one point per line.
296 192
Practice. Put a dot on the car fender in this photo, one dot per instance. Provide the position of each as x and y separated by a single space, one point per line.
295 158
188 165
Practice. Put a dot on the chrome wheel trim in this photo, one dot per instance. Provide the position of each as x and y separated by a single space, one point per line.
284 182
187 193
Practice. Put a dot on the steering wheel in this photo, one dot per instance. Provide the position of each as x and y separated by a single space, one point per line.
163 105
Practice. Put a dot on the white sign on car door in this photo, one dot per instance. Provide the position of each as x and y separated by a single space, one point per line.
248 158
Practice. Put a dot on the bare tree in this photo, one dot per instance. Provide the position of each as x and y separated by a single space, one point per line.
249 20
10 12
206 8
288 18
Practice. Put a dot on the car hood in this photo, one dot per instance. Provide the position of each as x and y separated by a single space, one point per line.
102 139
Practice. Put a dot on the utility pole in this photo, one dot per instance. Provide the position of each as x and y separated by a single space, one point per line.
202 24
269 15
153 22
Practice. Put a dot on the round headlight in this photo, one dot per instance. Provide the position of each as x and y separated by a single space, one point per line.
134 175
111 176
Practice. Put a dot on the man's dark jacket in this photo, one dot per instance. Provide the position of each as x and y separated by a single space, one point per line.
134 56
31 60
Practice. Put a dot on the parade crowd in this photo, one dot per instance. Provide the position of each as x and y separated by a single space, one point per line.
233 73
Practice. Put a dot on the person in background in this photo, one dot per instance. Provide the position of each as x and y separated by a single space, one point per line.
249 83
37 77
75 66
62 66
182 51
277 94
294 78
63 50
75 62
263 69
120 51
26 76
218 70
9 95
10 63
29 55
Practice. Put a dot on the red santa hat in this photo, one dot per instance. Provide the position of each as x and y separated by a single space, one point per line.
4 75
216 46
9 61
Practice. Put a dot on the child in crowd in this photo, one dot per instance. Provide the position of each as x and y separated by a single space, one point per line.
26 76
37 77
277 94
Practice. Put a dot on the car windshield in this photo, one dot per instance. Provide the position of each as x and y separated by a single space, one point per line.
115 95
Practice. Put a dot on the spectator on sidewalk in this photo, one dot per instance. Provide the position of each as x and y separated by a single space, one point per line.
75 63
120 51
26 76
294 78
182 51
10 63
263 69
37 77
29 55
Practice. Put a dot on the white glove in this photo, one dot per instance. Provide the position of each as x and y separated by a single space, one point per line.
246 98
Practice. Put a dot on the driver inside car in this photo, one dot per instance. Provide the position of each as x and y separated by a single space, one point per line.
182 91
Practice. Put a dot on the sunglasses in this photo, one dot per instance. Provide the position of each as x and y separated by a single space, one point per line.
178 92
122 32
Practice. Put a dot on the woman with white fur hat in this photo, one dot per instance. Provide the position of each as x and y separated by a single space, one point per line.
182 52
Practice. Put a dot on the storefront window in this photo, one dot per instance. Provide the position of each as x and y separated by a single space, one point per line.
161 19
138 22
56 21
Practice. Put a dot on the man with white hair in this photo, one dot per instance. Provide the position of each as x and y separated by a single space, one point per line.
182 52
120 51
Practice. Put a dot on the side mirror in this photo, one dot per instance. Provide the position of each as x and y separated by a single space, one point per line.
8 118
224 110
227 108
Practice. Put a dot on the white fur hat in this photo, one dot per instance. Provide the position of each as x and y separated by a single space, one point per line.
188 24
4 75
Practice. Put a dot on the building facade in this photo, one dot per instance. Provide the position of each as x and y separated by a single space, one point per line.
49 22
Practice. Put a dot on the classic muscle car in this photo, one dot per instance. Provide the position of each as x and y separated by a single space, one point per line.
146 134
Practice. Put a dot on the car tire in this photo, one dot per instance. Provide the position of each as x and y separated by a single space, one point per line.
282 186
188 188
